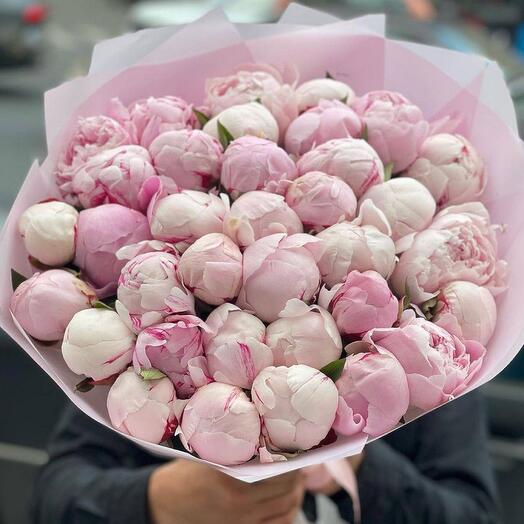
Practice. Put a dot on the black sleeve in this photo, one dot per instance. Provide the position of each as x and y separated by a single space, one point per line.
443 477
93 476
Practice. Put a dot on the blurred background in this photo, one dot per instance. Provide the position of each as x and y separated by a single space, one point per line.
43 44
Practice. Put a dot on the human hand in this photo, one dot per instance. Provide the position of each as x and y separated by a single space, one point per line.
188 492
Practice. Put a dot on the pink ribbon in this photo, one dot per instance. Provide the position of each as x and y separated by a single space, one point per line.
319 476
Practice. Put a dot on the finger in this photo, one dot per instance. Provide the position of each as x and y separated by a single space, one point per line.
286 518
281 505
277 486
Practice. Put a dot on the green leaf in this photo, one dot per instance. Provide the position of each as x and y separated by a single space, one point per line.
224 135
85 385
344 100
388 170
258 100
333 370
202 118
365 133
328 75
16 279
102 305
151 374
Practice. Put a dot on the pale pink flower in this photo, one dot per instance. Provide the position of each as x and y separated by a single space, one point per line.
395 126
270 276
310 93
212 269
362 302
252 163
321 200
45 303
328 120
221 425
351 159
304 335
451 168
235 346
297 405
144 409
257 214
189 157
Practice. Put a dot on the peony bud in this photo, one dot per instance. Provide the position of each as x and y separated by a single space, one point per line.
467 311
212 269
270 277
45 303
373 394
321 200
149 289
170 347
450 167
304 335
328 120
191 158
101 232
113 176
350 247
142 408
235 347
184 217
221 425
310 93
395 126
252 163
407 204
246 119
97 344
257 214
351 159
48 232
363 302
297 405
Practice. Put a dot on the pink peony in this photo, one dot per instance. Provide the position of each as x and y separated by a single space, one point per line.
45 303
466 310
351 159
221 425
349 246
169 348
304 335
150 289
328 120
184 217
297 405
212 269
144 409
373 394
276 269
395 126
361 303
460 244
235 346
246 119
48 232
150 117
101 231
191 158
450 167
114 176
321 200
251 83
97 344
312 92
438 365
257 214
406 203
252 163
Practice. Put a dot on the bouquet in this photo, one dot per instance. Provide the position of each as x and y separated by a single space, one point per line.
264 249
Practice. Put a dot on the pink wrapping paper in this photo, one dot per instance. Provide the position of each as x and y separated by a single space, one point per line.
469 88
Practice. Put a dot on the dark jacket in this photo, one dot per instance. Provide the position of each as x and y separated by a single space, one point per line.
435 470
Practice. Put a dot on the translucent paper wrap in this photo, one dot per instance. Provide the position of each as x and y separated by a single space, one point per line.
177 61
